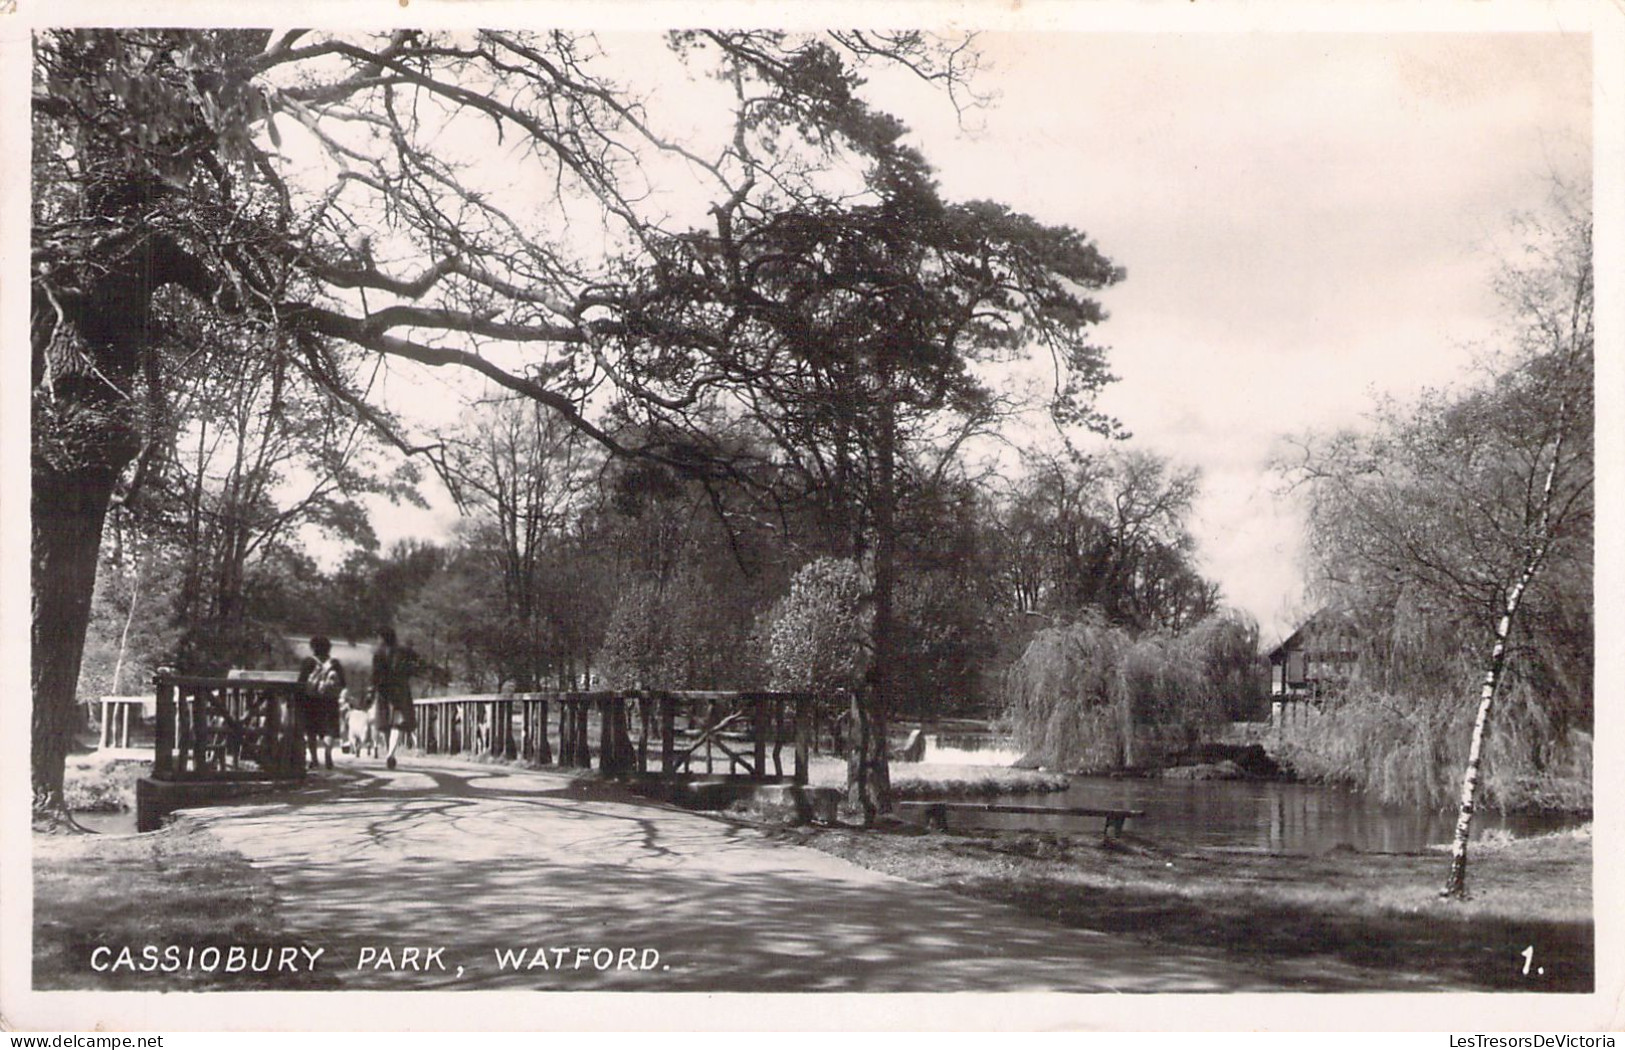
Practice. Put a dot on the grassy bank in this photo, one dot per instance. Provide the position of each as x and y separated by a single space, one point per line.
175 887
94 783
914 780
1340 921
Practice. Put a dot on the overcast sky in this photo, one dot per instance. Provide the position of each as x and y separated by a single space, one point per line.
1305 219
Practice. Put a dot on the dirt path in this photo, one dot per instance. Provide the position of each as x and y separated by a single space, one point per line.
482 863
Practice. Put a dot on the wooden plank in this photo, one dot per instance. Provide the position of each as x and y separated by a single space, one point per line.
1000 807
936 813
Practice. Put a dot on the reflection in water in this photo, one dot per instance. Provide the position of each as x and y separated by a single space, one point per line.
1279 817
120 823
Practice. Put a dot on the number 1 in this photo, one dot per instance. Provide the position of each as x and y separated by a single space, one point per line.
1528 957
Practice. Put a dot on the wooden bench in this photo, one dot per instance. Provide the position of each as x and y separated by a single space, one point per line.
936 813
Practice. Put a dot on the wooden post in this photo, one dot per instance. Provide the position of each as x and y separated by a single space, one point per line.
163 752
803 719
273 753
293 735
569 750
569 745
606 737
613 746
544 753
668 733
710 723
583 740
200 732
779 701
183 733
644 718
758 727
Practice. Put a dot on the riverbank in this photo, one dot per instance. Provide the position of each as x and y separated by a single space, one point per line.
1379 913
916 780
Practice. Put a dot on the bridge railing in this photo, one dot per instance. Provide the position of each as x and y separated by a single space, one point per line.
735 734
227 728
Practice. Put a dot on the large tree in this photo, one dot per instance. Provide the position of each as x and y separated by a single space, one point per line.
328 188
1109 533
525 475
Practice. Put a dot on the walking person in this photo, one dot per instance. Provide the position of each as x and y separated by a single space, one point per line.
321 681
392 668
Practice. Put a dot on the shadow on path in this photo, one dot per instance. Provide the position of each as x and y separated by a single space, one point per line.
484 863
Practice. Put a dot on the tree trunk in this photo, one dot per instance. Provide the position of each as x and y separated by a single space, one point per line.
68 511
868 774
1456 884
124 635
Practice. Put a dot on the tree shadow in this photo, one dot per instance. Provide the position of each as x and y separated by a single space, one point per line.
487 863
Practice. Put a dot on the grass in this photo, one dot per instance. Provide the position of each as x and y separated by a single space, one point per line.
93 783
177 887
1339 921
912 780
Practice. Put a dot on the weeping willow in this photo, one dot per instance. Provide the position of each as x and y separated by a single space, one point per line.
1089 696
1401 732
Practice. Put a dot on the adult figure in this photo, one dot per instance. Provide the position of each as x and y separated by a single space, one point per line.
321 681
392 667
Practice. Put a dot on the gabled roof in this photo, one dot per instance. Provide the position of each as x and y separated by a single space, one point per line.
1320 619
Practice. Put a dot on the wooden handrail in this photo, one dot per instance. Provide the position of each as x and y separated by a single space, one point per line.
227 728
485 724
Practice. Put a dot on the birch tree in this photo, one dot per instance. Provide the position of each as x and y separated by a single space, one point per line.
1466 499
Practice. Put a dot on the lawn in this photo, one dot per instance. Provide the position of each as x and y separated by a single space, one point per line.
177 887
1377 915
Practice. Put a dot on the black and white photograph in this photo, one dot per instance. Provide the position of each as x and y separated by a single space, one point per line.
971 517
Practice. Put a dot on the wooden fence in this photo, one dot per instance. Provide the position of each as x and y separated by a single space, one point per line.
248 727
734 734
227 728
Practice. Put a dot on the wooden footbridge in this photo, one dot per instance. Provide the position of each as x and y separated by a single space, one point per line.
249 727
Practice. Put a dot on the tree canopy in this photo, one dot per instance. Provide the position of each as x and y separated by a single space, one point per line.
322 191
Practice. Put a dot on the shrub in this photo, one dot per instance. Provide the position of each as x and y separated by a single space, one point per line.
820 635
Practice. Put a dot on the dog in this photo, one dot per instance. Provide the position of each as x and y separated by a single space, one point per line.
360 731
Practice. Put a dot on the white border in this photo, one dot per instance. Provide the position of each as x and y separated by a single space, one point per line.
363 1011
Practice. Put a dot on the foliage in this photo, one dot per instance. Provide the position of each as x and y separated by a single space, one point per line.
942 645
1458 530
525 477
1087 695
1474 505
673 637
319 191
1106 533
819 639
1409 749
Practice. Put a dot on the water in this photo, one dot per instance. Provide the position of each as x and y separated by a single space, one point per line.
968 750
117 823
1262 815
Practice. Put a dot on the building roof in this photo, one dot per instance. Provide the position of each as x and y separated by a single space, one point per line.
1320 619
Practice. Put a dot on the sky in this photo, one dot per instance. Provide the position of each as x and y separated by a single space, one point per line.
1306 220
